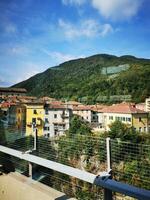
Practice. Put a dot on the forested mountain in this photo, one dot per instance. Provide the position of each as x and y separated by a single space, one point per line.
94 78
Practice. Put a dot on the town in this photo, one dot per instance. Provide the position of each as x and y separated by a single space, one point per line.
51 117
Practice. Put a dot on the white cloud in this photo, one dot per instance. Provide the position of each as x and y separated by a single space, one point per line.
18 50
60 57
10 28
117 9
73 2
88 28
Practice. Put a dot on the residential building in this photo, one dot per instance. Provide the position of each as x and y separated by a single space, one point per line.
56 119
34 117
17 118
128 114
84 111
12 91
72 104
97 117
141 106
147 102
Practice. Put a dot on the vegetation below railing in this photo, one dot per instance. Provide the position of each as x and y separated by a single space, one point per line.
80 148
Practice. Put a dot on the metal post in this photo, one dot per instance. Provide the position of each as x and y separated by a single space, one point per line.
30 170
34 130
108 193
35 139
108 155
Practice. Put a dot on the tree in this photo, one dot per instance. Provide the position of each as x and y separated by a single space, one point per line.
78 126
123 132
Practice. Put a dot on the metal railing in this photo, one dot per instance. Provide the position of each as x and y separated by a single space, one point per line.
114 165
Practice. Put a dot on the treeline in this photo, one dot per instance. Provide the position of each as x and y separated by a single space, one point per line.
83 79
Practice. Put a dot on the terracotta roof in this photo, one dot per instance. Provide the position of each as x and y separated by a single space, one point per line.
7 104
51 106
127 108
56 103
98 107
26 97
47 99
74 103
22 90
82 107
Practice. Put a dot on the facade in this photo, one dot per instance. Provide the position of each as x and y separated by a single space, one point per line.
97 123
141 106
17 118
34 118
126 113
12 91
85 112
56 120
72 104
147 105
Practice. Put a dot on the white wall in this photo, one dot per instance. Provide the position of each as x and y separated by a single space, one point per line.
59 123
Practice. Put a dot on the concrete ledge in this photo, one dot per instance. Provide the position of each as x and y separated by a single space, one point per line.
18 187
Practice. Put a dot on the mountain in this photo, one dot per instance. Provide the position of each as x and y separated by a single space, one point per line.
95 78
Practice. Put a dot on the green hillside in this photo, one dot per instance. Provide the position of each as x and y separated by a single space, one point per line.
93 78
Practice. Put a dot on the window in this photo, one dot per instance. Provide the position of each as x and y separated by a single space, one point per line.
110 117
140 119
34 111
87 118
46 120
145 129
46 128
124 119
55 132
55 116
140 129
128 119
33 120
46 112
116 118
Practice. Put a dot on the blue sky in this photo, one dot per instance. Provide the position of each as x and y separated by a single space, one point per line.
38 34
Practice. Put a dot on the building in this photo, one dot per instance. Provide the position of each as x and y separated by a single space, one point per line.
97 117
128 114
12 91
56 119
147 105
141 106
17 118
84 111
72 104
34 117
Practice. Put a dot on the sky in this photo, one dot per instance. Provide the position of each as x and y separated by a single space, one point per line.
38 34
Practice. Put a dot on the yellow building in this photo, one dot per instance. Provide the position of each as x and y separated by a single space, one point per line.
126 113
34 117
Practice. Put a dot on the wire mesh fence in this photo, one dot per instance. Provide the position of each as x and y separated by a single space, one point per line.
72 187
82 152
130 162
